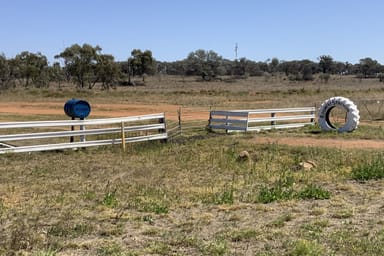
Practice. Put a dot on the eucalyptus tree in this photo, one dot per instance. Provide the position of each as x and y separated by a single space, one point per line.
326 63
107 70
369 67
140 64
5 72
80 63
56 73
32 68
208 64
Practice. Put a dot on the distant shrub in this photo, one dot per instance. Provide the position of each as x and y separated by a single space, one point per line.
381 77
324 77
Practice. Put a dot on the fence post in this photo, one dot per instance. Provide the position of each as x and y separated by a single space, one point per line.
162 121
82 128
210 119
273 122
226 122
123 136
179 119
246 128
72 139
312 119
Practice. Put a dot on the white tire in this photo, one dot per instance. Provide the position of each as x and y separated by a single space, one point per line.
352 118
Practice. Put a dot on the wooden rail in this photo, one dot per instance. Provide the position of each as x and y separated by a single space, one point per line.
262 119
119 131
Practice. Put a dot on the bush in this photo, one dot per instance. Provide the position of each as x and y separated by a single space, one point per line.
324 77
369 170
283 189
313 192
381 77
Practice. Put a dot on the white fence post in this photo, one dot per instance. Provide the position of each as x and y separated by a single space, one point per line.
82 128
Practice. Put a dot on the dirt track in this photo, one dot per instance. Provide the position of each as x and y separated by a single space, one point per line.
120 110
330 143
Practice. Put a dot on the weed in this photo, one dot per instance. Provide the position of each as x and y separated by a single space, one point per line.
149 219
158 248
216 247
346 242
112 249
39 172
280 221
62 229
224 197
313 230
150 205
89 195
306 248
110 199
242 235
2 208
369 170
343 214
282 189
313 192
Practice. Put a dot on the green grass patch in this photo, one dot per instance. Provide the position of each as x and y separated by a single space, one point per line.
284 189
312 191
369 170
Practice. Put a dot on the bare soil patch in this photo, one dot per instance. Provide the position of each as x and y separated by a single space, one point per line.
329 143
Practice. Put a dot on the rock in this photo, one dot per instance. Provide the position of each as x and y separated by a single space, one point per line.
243 156
307 165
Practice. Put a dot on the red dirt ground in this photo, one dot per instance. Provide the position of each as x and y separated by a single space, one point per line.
331 143
121 110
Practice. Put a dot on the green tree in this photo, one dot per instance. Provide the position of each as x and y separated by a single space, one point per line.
140 64
369 67
56 73
5 72
326 63
33 67
273 65
80 63
107 70
208 64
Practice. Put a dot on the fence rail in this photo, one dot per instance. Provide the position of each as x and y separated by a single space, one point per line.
123 130
261 119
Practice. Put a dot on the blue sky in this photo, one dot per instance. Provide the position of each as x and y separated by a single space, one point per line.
347 30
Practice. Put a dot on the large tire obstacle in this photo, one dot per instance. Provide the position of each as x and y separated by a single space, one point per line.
352 117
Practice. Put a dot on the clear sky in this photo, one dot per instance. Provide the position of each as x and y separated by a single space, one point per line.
347 30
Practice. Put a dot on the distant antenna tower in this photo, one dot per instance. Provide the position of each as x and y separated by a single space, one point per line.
236 51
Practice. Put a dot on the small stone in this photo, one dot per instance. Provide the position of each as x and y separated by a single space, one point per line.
307 165
243 156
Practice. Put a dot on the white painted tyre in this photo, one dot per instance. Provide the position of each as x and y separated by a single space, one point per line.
352 117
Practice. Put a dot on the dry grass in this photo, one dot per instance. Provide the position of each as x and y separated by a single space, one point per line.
193 196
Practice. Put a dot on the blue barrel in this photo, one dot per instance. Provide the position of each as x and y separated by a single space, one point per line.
77 108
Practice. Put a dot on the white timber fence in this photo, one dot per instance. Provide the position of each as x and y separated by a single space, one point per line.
261 119
63 134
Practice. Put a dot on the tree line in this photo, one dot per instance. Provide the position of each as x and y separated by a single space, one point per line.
85 66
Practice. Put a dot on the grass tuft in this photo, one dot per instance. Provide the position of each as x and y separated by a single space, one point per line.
313 192
369 170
